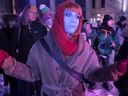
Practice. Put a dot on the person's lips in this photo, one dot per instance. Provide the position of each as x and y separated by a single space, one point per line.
72 26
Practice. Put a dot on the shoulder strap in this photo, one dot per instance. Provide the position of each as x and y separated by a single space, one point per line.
78 76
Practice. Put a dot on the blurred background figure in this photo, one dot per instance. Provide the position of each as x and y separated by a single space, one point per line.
45 16
99 23
9 21
120 25
86 30
84 21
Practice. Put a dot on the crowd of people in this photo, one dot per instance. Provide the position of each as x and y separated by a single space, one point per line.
35 51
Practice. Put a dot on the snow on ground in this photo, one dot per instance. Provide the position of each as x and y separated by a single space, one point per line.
100 91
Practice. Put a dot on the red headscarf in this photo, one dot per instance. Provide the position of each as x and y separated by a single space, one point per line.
67 46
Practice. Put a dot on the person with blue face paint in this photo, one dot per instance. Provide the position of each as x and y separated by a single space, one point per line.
67 42
71 21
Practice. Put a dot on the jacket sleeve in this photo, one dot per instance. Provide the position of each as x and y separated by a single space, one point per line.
103 74
28 72
93 36
116 40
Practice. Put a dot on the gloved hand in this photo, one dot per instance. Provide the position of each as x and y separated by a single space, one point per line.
122 65
3 56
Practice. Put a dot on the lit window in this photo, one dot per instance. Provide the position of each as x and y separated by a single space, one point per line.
98 19
91 20
124 5
94 20
98 15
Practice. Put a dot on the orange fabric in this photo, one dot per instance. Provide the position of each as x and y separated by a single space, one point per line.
106 32
33 8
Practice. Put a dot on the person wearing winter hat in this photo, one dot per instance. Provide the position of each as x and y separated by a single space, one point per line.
104 39
120 25
86 30
67 43
44 10
45 17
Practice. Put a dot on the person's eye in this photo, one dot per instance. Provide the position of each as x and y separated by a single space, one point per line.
67 14
78 17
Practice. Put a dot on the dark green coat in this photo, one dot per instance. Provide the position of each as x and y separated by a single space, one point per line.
101 40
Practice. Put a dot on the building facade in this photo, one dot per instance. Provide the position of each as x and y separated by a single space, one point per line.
93 10
117 8
121 8
99 8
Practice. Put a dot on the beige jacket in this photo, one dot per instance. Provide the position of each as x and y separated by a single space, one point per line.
56 81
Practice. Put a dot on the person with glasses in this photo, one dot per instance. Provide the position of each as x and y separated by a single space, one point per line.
28 32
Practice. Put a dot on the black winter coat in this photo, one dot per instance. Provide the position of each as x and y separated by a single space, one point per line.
4 42
122 83
29 34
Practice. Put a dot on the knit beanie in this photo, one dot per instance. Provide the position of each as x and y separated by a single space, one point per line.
44 10
106 19
122 18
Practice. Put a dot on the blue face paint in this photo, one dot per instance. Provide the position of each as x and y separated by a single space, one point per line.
71 21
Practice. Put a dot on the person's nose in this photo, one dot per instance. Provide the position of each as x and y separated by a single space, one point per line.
73 19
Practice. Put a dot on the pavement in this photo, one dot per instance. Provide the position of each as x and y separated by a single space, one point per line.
99 90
